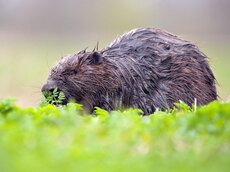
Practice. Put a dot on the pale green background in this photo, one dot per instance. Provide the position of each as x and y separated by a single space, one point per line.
34 34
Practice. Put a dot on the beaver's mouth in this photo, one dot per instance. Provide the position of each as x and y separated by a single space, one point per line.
70 98
59 97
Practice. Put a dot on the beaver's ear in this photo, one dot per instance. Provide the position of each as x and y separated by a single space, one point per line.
96 58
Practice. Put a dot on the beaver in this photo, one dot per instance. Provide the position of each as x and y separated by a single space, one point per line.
144 68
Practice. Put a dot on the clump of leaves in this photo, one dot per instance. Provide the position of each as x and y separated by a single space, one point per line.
54 97
181 105
7 105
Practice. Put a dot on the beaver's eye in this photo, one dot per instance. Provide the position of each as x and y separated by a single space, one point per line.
72 72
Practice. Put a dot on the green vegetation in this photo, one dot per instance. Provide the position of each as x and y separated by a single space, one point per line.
64 138
54 98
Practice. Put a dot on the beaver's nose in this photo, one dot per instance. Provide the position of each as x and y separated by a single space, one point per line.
49 86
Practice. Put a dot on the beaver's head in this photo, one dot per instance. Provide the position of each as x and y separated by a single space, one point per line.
83 77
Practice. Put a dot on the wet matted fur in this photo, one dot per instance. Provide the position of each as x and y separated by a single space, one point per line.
145 68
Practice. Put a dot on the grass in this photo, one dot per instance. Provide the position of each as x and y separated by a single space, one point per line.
64 138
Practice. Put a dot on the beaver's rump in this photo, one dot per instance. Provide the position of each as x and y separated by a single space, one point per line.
161 69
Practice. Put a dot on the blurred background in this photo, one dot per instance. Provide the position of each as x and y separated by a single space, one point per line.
34 34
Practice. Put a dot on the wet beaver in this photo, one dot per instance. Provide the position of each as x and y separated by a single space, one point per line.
145 68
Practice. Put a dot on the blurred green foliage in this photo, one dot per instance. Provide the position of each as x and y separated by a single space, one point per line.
56 139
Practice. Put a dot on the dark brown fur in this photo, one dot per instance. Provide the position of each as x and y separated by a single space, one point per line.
144 68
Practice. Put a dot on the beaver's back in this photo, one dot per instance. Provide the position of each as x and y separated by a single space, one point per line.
146 40
159 69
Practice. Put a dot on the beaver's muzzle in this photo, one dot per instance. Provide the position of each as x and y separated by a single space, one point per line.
49 86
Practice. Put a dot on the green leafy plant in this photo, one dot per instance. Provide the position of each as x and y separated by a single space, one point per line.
55 98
